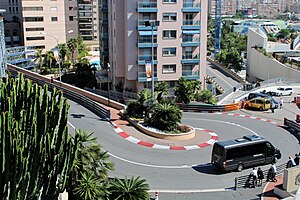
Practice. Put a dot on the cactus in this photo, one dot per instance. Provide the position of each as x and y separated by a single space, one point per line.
36 151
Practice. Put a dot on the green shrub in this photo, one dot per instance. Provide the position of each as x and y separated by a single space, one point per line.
164 117
134 109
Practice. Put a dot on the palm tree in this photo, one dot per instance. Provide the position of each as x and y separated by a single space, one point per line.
72 46
90 156
62 51
129 189
186 90
165 116
161 88
89 187
39 58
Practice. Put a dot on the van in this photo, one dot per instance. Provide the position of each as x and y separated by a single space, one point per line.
258 103
245 152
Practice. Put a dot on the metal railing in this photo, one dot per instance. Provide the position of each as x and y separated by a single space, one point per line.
241 181
79 98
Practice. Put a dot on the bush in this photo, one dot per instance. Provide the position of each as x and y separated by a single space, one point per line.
164 117
134 109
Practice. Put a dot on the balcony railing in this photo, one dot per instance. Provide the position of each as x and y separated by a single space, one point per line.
147 40
191 22
147 57
191 5
190 56
147 5
186 73
192 40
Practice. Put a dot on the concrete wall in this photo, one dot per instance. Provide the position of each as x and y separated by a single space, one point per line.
265 68
289 181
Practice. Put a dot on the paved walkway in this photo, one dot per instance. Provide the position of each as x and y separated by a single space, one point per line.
267 193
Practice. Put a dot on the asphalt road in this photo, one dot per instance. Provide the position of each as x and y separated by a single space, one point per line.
182 171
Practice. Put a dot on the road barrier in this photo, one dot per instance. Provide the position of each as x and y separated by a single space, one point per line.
241 181
76 94
208 108
294 126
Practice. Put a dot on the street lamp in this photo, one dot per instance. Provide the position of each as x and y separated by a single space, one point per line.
56 51
152 23
108 69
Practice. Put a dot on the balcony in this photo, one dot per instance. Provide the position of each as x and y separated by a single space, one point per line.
142 27
147 7
190 59
191 25
189 74
191 7
142 59
147 43
142 77
190 42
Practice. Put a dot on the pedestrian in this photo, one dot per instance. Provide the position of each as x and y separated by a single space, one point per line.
254 177
272 106
260 176
280 103
297 159
290 163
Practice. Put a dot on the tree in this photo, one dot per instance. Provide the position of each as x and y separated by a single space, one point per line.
283 33
91 164
129 189
186 90
72 46
164 116
63 51
161 88
39 59
206 96
36 151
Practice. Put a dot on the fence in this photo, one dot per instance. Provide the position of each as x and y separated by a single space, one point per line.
208 108
241 181
69 93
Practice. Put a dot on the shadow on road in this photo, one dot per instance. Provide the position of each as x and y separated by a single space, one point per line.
293 132
77 115
208 169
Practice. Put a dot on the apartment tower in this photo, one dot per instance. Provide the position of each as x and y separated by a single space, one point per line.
177 29
48 22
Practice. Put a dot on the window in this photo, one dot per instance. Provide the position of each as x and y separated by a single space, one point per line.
54 19
33 19
169 51
169 69
169 34
39 8
169 1
71 18
35 38
54 8
35 29
169 17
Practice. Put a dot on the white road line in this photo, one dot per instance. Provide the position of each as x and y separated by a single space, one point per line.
132 139
71 125
191 147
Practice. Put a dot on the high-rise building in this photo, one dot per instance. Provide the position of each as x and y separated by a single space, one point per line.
12 22
175 30
88 22
48 22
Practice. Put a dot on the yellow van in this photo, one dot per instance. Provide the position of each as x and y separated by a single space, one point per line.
258 103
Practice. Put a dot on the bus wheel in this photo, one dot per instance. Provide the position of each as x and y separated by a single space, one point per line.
240 167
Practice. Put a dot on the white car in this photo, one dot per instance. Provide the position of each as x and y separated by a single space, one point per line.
283 91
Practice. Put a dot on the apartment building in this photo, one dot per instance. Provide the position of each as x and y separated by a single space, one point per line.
88 22
47 23
13 22
177 33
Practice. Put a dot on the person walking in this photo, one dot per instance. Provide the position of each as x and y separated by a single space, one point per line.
272 106
260 176
254 177
272 173
297 159
290 163
281 102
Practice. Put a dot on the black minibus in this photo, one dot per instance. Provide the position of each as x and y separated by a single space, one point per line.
248 151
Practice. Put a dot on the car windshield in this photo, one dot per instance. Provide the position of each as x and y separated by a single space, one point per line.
281 89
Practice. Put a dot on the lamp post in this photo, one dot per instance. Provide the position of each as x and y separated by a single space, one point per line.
152 23
56 50
108 69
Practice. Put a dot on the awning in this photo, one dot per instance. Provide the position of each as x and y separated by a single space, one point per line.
191 32
145 33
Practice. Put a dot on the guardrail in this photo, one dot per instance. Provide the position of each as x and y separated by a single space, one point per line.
294 125
69 93
226 70
241 181
208 108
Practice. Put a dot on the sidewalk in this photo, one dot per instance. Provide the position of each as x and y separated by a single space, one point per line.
267 193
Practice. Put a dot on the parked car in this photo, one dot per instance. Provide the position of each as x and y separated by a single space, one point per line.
258 103
263 95
283 91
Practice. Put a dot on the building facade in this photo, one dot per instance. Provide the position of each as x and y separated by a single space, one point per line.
47 22
177 31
